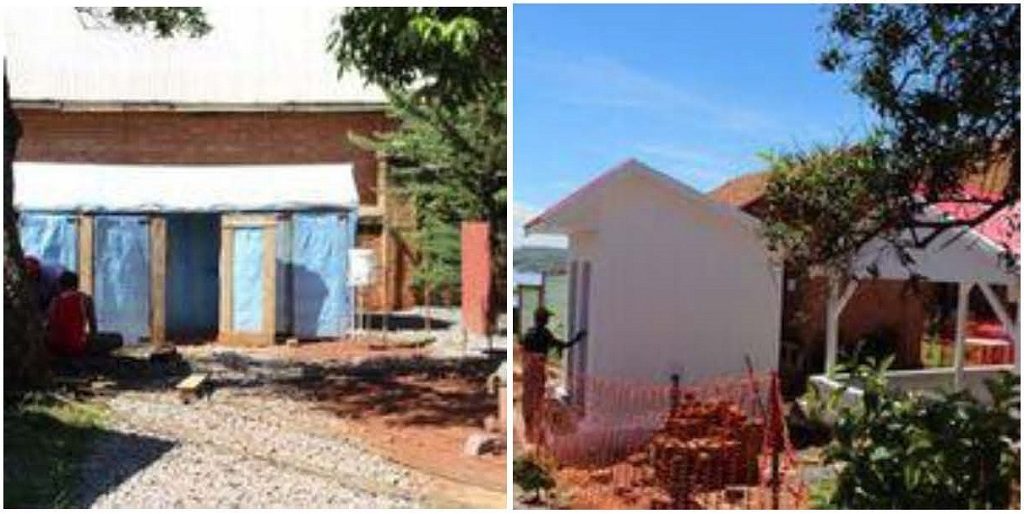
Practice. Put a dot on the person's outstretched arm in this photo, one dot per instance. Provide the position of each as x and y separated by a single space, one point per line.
577 338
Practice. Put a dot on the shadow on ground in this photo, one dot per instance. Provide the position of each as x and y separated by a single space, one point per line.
120 372
124 455
47 443
404 321
417 390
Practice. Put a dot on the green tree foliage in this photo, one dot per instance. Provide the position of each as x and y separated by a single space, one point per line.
24 349
161 21
898 451
454 55
824 204
945 83
444 71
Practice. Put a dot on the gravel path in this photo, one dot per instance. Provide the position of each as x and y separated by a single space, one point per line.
235 448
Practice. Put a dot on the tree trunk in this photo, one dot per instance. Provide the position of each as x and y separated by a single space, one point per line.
24 344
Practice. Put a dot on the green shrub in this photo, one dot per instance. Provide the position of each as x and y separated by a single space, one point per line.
530 475
901 451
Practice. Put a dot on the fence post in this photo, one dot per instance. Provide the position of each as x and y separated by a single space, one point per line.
673 397
775 426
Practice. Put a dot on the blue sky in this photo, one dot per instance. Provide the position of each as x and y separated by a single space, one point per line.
695 91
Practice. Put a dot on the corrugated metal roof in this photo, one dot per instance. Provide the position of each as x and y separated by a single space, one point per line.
255 54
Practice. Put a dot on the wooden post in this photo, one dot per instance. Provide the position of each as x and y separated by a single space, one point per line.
775 429
158 279
86 238
270 282
227 250
674 393
963 295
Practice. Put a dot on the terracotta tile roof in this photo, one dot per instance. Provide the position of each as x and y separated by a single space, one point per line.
742 190
746 189
1003 228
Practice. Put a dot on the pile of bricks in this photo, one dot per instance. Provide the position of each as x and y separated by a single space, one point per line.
704 445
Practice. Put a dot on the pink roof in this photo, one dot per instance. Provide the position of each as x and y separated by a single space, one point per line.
1003 228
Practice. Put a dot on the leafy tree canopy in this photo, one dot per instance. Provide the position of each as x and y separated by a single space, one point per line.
945 83
161 21
444 71
452 54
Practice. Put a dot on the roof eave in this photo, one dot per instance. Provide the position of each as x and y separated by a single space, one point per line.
180 106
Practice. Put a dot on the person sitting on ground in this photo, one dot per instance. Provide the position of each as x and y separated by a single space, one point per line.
70 313
537 343
44 278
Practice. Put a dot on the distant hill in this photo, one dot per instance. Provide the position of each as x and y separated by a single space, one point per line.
538 259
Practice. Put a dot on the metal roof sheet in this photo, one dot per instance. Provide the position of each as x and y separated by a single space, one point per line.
255 54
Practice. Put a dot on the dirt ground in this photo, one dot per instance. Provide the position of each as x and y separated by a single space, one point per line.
408 407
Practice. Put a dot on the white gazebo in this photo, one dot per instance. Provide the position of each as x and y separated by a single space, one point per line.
961 256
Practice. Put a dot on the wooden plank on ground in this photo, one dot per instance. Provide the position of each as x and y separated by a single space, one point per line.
192 386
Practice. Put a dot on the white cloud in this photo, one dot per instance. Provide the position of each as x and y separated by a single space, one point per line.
521 214
605 82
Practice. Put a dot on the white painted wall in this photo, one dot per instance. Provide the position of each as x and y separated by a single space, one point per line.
675 288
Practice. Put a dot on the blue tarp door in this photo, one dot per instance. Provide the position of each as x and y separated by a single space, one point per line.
320 244
249 281
52 238
121 268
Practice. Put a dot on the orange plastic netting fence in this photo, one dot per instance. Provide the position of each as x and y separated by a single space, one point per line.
717 444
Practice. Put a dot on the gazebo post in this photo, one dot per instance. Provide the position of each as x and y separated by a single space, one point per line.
833 309
963 295
832 326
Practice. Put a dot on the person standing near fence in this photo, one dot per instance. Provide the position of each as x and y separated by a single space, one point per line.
537 343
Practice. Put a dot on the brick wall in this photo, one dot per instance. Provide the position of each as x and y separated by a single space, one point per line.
877 305
138 137
203 138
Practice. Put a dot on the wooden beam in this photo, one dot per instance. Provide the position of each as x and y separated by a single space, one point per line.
851 287
963 295
269 283
227 251
248 220
86 229
158 279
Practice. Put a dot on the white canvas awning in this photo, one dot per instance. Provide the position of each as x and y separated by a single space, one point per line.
72 187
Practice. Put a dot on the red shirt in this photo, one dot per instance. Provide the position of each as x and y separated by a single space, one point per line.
67 324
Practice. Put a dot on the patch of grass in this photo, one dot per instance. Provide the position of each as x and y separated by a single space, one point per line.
45 440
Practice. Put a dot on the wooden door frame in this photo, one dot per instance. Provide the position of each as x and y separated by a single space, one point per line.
267 223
